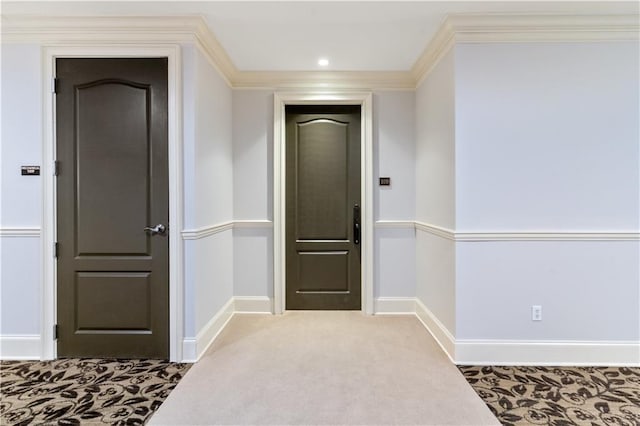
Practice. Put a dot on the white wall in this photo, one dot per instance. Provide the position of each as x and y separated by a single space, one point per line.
435 145
253 154
394 157
435 191
547 139
20 196
208 184
394 154
589 291
547 136
21 134
253 191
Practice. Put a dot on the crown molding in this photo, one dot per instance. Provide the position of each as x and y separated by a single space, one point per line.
508 28
92 29
439 45
524 27
352 80
215 53
456 28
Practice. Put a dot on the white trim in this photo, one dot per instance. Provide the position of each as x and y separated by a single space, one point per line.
527 352
436 49
497 27
14 347
259 223
395 224
547 236
456 28
440 333
496 236
49 227
281 99
395 306
253 305
209 45
336 80
193 349
189 350
436 230
510 28
19 232
206 231
515 352
176 247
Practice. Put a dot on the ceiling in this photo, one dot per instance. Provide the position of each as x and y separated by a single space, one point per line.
293 35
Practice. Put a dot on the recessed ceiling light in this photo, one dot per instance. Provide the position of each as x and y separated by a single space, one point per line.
323 62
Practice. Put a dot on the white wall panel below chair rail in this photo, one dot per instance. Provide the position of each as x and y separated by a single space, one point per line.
21 289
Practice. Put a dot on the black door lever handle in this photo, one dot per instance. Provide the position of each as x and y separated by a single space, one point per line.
356 224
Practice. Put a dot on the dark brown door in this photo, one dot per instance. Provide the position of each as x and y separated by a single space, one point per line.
113 298
323 207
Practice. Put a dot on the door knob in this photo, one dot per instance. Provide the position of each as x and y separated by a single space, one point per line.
356 224
159 229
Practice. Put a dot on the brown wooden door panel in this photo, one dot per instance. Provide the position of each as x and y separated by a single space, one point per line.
322 188
113 182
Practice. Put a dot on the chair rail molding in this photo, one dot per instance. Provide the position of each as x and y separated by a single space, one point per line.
395 224
206 231
257 223
526 235
33 232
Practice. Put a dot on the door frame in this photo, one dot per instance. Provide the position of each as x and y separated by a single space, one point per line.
281 99
49 197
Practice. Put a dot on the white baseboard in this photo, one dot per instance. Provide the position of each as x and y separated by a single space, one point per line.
253 305
20 347
439 332
394 306
189 351
193 349
547 353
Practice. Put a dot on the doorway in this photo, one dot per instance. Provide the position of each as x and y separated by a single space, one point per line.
364 100
323 199
112 207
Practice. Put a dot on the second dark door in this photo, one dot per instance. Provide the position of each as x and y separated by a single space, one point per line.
323 207
113 292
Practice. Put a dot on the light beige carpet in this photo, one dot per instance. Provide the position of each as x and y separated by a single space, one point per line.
324 368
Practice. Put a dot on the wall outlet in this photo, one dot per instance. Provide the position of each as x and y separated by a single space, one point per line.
536 313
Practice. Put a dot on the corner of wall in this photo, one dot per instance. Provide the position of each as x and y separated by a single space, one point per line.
194 348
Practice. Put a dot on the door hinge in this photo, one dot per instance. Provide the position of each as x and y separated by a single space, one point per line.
55 85
56 331
56 168
56 249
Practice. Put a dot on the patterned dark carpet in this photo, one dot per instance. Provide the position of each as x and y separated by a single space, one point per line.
84 391
594 396
127 392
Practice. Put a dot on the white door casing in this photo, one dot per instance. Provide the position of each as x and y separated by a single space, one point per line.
48 238
281 99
